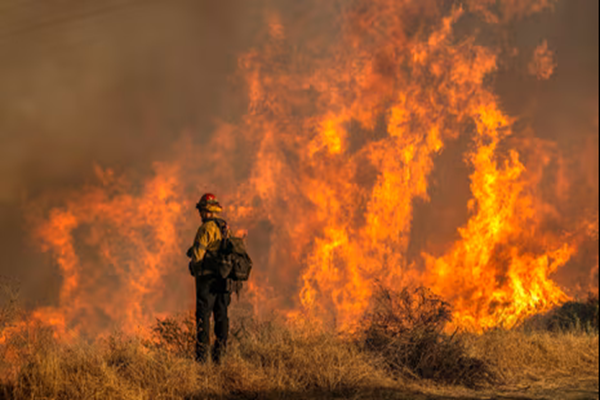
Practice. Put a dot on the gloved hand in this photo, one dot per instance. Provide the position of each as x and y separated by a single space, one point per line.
192 269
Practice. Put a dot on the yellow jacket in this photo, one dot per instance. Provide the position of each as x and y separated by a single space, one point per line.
208 238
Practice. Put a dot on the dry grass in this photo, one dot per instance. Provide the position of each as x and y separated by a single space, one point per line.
269 359
275 360
541 358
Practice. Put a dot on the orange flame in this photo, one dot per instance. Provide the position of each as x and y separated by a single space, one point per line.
338 144
132 237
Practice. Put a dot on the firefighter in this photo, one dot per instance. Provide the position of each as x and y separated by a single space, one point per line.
212 292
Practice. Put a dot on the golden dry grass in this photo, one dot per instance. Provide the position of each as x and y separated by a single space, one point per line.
269 360
540 360
272 360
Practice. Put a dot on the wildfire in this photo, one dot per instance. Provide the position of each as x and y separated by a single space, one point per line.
129 235
339 142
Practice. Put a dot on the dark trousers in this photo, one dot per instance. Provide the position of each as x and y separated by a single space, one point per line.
211 297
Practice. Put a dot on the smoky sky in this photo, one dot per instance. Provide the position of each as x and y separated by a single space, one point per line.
115 83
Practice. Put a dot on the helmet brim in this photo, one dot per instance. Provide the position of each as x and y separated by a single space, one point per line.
213 208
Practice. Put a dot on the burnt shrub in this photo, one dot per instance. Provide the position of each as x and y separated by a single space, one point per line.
575 315
572 316
406 329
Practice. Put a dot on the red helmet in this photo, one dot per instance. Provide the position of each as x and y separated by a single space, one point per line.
207 199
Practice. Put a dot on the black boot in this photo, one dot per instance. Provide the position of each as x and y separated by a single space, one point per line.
201 353
218 351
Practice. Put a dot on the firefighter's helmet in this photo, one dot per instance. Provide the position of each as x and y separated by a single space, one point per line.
208 202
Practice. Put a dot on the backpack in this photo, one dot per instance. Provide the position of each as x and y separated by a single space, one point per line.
231 260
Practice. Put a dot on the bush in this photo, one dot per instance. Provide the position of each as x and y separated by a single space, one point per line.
407 329
9 303
575 315
176 335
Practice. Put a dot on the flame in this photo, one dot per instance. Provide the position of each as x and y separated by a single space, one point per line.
132 235
337 145
501 279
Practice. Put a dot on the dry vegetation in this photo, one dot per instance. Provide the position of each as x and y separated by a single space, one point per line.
403 352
